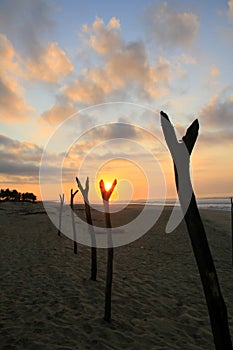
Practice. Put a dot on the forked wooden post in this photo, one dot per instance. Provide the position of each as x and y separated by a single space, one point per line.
108 289
72 195
232 230
90 227
181 152
60 213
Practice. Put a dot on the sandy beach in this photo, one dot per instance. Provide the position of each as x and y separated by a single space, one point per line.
49 302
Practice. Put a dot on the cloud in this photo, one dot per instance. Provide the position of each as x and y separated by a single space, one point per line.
230 9
126 68
98 135
171 29
85 91
59 112
20 160
112 131
13 106
214 71
50 65
221 138
27 22
118 139
13 150
186 59
104 39
216 119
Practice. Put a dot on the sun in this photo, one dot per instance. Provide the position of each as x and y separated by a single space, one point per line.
108 185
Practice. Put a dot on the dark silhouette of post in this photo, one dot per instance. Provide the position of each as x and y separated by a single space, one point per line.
108 289
90 227
72 195
60 213
181 152
232 230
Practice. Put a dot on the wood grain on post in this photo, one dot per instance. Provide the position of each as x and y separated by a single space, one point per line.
215 302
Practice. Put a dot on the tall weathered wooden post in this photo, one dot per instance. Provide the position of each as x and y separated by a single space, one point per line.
232 229
72 195
181 152
84 192
60 213
108 289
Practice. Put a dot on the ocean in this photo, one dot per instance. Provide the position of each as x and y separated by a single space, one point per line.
203 203
215 203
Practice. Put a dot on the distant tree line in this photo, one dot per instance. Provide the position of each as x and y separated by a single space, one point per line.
15 196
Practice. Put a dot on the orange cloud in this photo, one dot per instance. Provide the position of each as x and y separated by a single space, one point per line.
13 106
104 39
50 65
59 112
214 71
84 91
126 68
230 9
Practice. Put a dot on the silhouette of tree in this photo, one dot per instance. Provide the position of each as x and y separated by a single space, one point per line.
14 195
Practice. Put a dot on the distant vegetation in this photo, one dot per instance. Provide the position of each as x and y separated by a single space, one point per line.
15 196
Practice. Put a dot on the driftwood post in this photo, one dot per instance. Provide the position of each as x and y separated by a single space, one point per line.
60 213
108 289
72 195
232 227
90 227
181 152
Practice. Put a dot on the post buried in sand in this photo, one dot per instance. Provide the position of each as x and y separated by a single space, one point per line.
72 195
60 213
106 194
84 192
181 152
232 230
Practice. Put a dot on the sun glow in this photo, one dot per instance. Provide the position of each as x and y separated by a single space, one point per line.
108 185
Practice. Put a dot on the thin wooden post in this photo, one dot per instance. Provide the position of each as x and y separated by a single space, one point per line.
60 213
90 227
108 289
232 229
181 152
72 195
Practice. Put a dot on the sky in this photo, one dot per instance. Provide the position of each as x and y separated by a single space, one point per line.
82 85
